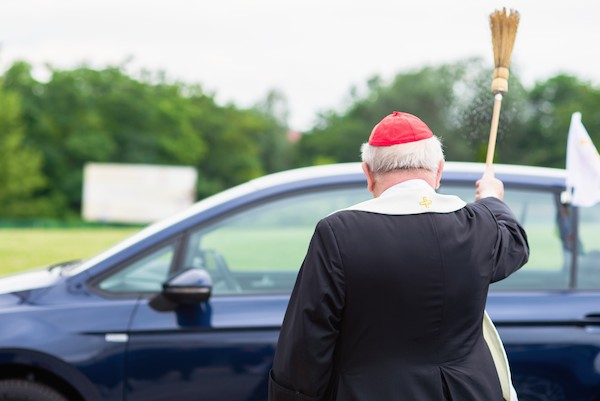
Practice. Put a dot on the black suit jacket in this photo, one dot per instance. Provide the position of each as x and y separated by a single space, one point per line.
389 307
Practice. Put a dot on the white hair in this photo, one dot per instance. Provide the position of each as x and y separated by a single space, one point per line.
425 154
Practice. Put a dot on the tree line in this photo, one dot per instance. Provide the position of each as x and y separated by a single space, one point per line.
50 129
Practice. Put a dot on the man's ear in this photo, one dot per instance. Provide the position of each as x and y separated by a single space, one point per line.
438 175
370 177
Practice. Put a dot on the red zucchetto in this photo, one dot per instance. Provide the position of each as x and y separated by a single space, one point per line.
399 128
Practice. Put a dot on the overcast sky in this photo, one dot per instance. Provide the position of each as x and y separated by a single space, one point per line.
314 51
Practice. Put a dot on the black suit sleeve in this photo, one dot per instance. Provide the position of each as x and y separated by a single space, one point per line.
304 357
511 250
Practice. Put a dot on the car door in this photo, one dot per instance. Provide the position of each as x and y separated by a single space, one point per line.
223 349
547 312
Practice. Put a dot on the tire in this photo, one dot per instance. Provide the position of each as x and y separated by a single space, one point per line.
22 390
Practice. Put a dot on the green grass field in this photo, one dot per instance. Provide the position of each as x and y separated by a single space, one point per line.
26 248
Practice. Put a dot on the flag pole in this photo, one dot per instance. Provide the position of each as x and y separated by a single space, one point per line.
504 31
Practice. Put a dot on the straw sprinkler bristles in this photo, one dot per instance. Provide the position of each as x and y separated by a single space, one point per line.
504 31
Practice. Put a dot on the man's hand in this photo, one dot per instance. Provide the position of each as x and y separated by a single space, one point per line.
489 186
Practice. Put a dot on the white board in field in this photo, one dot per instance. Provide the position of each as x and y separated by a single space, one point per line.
136 193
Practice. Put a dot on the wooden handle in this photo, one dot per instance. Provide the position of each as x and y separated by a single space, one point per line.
493 130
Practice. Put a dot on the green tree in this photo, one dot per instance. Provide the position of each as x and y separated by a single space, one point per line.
551 104
86 115
275 148
231 137
20 165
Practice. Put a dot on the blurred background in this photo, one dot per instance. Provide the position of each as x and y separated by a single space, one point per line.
235 89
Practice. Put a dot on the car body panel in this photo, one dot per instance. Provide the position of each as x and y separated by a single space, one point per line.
219 350
74 334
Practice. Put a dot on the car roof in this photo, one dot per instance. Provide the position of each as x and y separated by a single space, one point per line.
333 174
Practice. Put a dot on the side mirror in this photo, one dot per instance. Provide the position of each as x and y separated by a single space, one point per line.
188 286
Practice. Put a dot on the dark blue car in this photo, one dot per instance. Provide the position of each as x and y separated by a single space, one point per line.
190 308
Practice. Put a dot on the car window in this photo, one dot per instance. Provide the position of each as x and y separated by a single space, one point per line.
547 226
260 249
588 260
143 275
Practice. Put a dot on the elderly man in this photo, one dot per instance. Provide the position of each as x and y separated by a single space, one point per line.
389 302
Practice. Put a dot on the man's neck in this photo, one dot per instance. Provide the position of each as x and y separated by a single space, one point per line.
387 180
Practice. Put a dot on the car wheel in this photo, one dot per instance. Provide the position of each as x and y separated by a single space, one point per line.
22 390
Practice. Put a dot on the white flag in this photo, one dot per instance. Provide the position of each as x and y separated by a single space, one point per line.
583 165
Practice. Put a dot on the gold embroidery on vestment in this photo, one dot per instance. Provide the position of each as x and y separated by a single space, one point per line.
425 202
